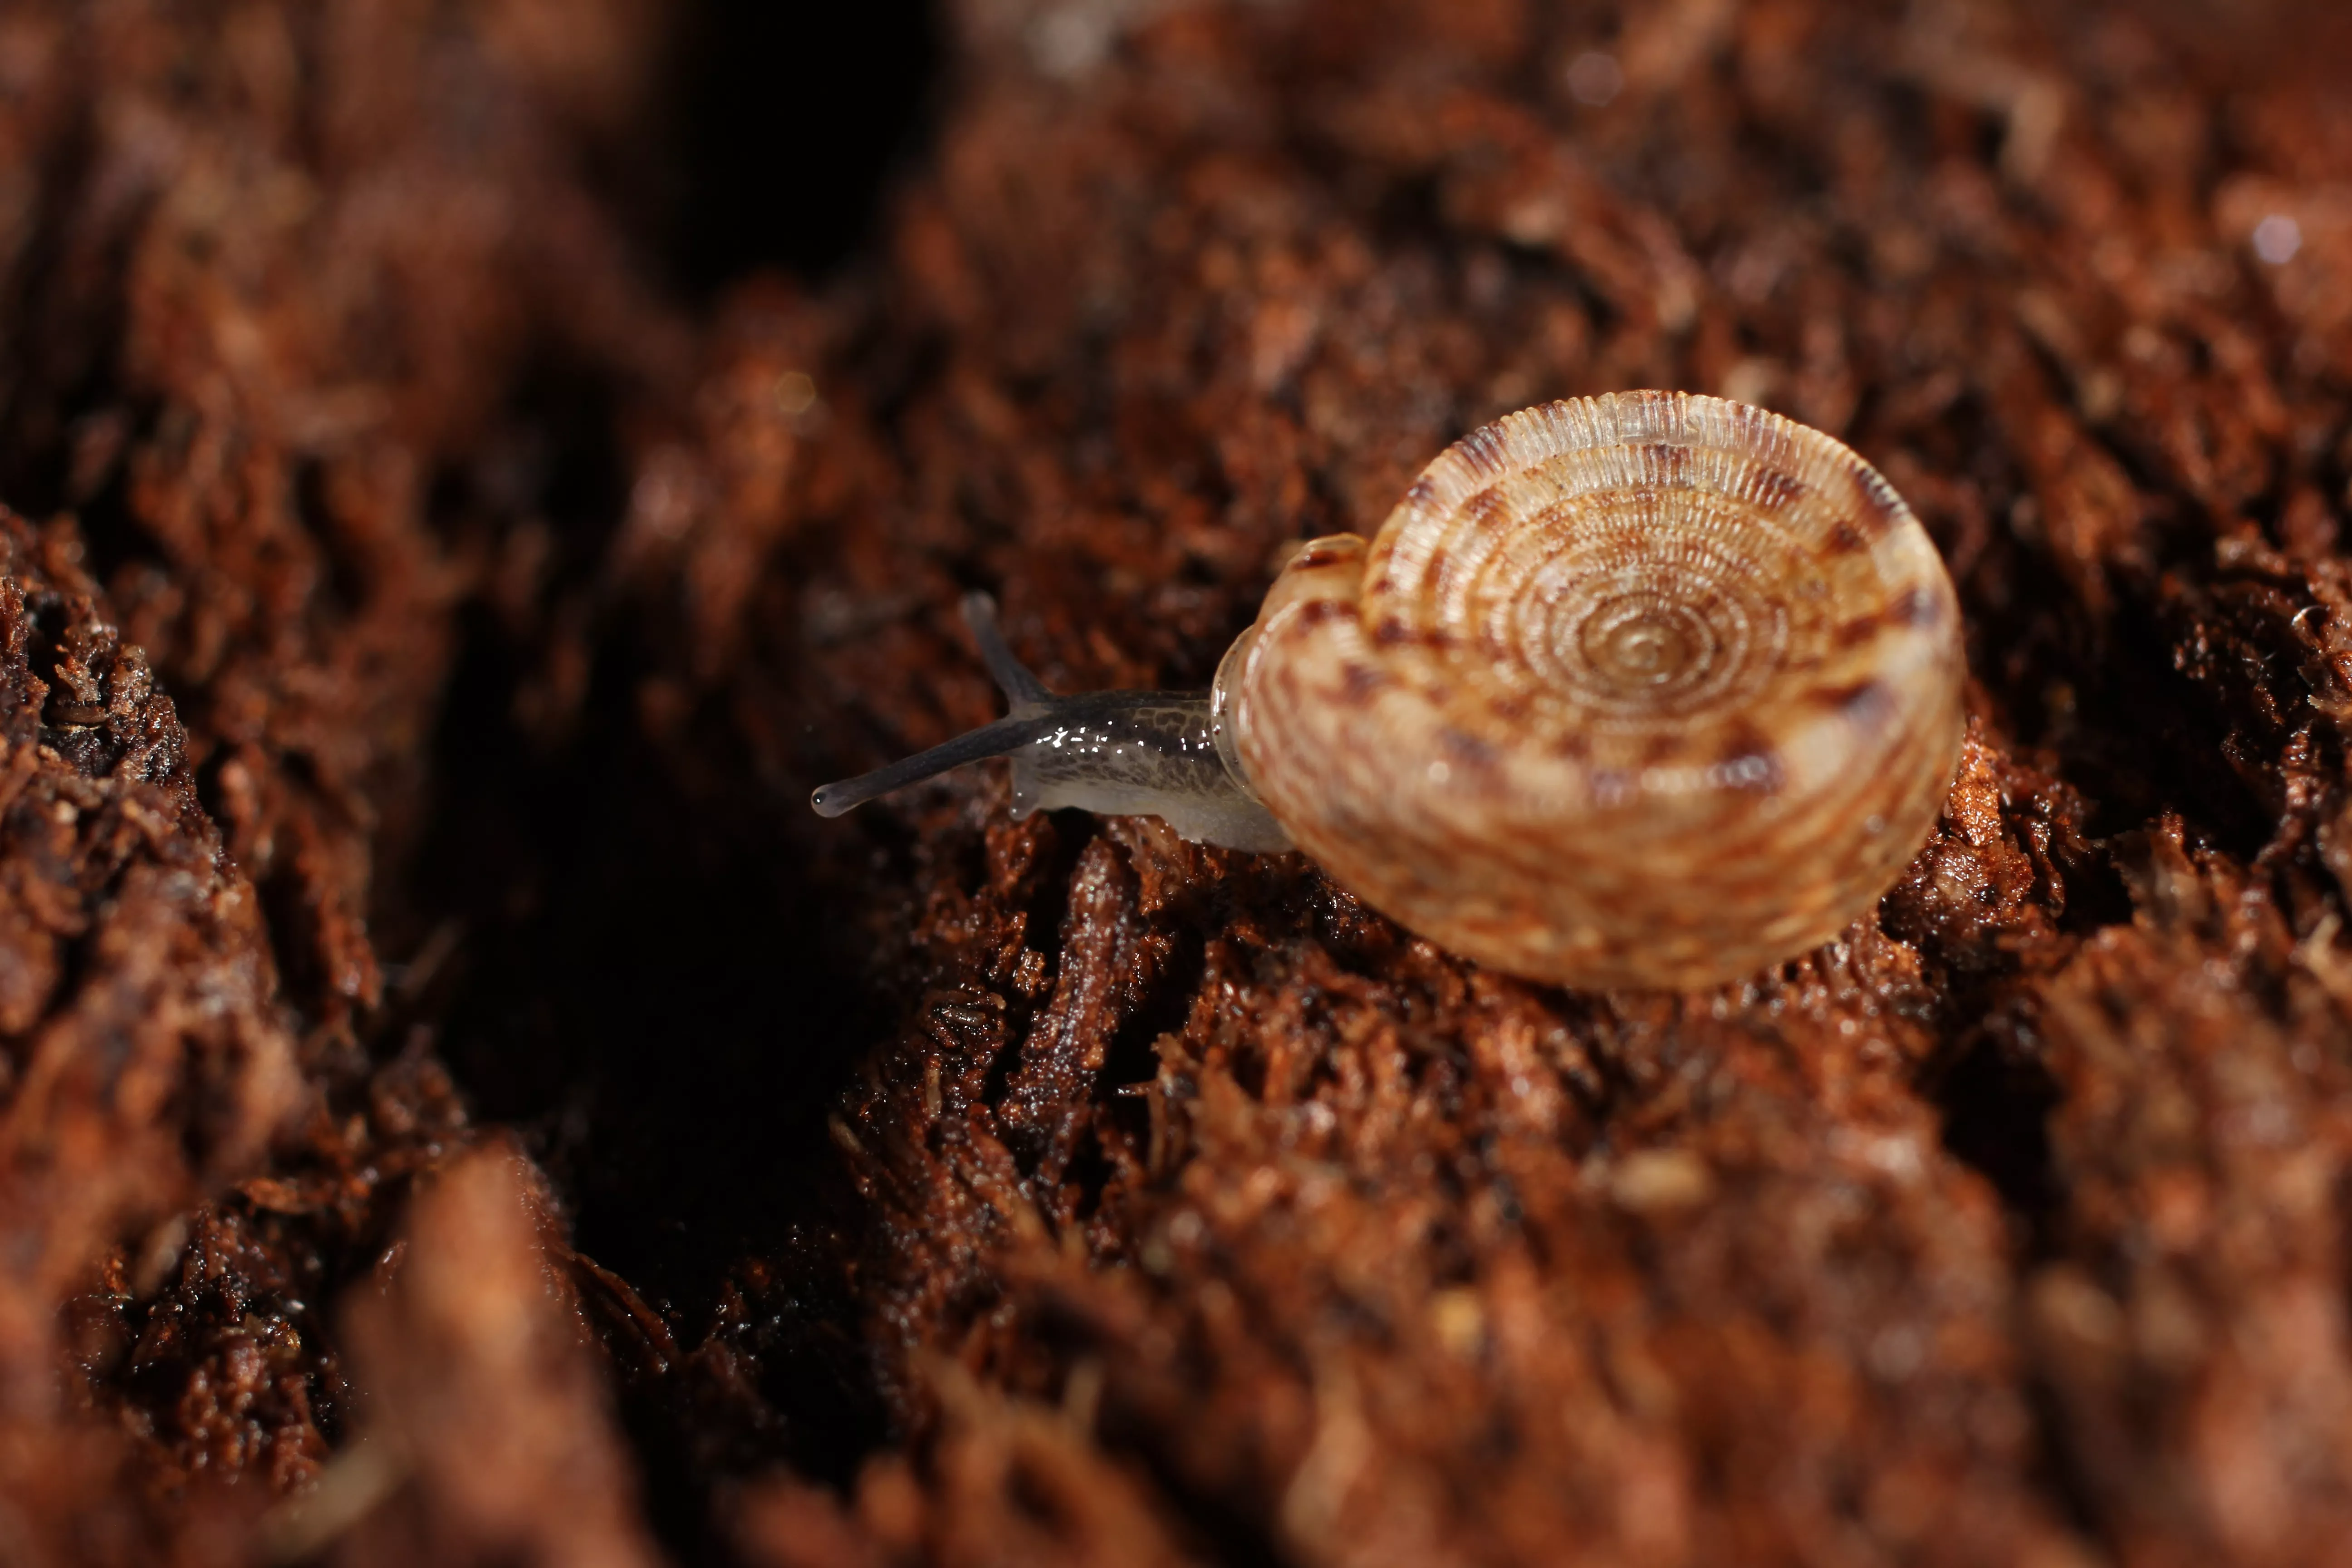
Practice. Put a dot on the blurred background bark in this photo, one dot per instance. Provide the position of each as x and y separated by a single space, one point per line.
475 467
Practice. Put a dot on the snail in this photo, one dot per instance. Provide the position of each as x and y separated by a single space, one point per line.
1648 689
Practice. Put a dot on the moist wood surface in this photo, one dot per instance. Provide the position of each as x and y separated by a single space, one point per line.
449 1078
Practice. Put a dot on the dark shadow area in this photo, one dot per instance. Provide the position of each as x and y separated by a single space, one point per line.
1997 1121
644 981
789 118
646 989
61 329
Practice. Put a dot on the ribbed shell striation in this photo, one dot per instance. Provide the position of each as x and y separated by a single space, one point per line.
1649 689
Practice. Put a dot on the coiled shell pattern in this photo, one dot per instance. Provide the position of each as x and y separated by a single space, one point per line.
1647 689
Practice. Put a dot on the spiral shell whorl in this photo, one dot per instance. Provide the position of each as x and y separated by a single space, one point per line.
1644 689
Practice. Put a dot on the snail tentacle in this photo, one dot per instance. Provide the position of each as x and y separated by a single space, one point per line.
1000 739
1015 679
1115 753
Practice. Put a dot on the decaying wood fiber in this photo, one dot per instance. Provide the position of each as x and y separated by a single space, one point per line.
457 1102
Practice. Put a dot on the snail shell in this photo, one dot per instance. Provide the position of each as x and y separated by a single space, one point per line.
1647 689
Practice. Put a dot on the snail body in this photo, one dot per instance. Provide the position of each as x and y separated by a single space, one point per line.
1115 753
1647 689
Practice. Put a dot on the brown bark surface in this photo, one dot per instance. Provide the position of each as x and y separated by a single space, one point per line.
457 1104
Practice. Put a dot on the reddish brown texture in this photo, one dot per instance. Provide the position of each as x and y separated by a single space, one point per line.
965 1191
290 260
147 1063
266 276
487 1421
1005 1481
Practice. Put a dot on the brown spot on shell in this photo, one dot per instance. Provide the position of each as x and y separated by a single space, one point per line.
1396 633
1667 465
1916 605
1845 539
1878 508
1468 751
1774 490
1488 511
1316 612
1748 759
1859 630
1754 770
1869 704
1359 682
1485 450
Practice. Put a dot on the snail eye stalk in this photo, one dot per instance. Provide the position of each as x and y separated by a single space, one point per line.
1022 727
